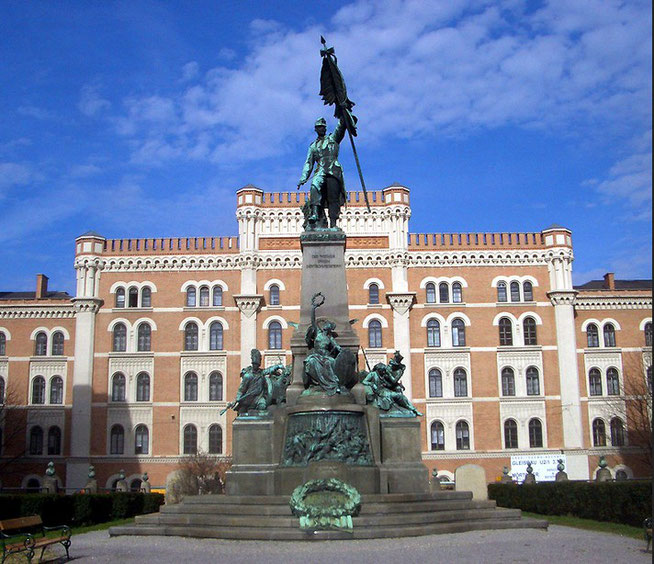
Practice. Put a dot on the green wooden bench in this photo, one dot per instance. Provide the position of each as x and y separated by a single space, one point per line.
27 535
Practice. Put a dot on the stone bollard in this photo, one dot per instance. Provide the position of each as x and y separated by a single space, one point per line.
50 482
529 478
435 483
603 474
121 485
91 486
145 484
561 476
472 478
506 477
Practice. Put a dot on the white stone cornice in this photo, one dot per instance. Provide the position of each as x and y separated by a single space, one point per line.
562 297
130 263
613 302
37 311
401 301
248 304
89 305
475 257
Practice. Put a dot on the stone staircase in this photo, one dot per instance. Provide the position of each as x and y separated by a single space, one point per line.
381 516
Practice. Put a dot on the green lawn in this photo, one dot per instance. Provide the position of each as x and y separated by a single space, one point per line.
590 525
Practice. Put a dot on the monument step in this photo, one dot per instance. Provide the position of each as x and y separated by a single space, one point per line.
366 508
361 532
374 520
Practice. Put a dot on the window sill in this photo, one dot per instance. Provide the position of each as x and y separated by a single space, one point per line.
122 354
445 304
128 309
47 358
216 352
203 308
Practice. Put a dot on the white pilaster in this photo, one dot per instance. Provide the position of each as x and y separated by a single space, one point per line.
401 304
248 305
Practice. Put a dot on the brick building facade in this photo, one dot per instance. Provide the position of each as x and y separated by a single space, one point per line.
504 355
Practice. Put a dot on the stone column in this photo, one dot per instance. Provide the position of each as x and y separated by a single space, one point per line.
248 305
401 303
80 435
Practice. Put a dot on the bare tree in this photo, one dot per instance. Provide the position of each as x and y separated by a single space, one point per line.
198 474
12 433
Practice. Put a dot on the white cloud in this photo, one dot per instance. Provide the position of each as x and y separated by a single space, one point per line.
190 70
15 174
90 102
84 171
36 112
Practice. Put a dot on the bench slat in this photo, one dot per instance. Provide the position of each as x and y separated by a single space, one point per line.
20 523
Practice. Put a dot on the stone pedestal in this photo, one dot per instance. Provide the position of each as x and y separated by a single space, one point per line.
50 485
402 468
603 475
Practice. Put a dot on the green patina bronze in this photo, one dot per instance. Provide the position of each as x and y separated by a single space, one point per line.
325 504
326 435
385 391
260 388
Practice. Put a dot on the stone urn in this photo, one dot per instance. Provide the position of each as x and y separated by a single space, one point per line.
603 474
529 478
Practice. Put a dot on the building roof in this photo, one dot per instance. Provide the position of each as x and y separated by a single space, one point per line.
32 296
619 285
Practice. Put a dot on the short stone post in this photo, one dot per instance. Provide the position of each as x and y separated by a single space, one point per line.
529 478
145 484
121 485
561 475
506 477
91 486
435 483
471 478
50 484
603 474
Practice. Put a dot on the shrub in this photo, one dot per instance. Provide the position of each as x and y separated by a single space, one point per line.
79 509
626 502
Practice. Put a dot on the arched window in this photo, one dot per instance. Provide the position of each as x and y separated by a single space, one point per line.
118 387
119 338
191 337
2 395
529 331
191 387
215 386
433 333
443 293
275 335
437 436
58 343
144 337
648 336
515 292
41 344
528 291
460 383
457 293
215 439
133 297
36 440
38 390
146 297
191 296
216 336
375 334
217 296
120 297
592 335
462 436
56 390
190 439
141 440
599 433
204 296
143 387
533 381
609 335
612 382
373 294
506 332
535 433
501 292
117 440
508 382
510 434
430 290
3 344
458 333
595 382
273 294
617 432
54 440
435 383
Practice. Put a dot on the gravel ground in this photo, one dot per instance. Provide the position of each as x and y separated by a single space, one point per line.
559 544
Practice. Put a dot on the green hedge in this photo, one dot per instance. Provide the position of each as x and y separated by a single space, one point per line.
626 502
79 509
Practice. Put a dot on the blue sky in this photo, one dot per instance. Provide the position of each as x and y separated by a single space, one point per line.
141 119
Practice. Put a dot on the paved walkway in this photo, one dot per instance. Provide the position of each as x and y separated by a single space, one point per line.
559 544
